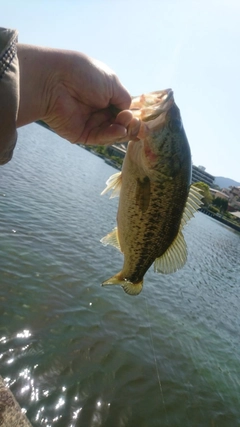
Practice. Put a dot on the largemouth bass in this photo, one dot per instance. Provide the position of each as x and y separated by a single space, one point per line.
156 199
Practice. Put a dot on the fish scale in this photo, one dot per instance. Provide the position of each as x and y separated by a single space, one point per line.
155 196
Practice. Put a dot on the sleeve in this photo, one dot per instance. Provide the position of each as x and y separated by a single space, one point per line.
9 93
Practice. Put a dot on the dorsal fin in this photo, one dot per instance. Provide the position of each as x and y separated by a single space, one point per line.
114 183
176 255
193 203
112 239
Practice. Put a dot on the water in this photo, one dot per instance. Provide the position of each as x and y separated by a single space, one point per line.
76 354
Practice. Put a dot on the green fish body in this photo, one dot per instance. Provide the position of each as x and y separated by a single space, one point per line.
155 196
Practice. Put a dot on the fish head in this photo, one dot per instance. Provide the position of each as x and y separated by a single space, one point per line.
149 106
160 114
162 133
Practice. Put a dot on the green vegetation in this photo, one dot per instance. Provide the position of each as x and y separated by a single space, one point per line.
216 187
100 149
117 160
105 151
207 197
221 204
217 206
213 209
231 217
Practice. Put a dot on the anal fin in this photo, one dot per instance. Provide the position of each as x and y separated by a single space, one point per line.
129 287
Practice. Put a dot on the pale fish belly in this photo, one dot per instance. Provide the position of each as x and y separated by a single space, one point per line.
156 200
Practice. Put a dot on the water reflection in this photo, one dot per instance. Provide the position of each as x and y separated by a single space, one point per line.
26 384
24 334
75 354
75 413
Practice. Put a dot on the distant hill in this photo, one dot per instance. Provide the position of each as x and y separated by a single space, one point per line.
225 182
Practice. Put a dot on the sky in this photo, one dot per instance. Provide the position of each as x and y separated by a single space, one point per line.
190 46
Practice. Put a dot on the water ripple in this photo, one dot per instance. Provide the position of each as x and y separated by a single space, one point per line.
76 354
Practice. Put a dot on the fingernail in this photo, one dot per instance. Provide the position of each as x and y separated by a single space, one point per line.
134 127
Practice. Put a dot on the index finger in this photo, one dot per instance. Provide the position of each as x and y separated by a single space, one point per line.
121 98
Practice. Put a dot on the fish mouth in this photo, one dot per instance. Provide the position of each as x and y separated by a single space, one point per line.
166 94
150 106
167 112
164 101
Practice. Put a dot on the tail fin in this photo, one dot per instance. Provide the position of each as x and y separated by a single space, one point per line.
129 287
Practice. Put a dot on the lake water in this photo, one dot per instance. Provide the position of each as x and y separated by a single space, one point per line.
76 354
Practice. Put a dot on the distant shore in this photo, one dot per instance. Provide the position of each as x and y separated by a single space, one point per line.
220 219
203 210
116 165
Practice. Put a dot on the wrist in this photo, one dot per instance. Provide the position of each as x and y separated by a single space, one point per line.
33 74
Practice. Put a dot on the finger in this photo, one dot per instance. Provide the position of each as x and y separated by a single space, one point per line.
133 129
113 133
106 134
103 132
103 127
121 97
124 118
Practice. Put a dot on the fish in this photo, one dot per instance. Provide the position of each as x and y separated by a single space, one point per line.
156 198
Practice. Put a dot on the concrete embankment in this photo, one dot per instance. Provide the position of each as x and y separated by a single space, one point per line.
220 219
11 414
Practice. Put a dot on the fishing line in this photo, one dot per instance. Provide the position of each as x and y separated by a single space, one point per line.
155 360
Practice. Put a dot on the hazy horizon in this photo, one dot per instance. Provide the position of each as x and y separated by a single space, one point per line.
190 46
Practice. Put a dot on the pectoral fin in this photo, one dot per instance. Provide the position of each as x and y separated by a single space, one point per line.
129 287
114 183
111 239
143 193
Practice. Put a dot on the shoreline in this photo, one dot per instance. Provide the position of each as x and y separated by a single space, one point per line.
115 165
203 210
221 219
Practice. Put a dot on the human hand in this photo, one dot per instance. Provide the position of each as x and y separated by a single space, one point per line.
75 95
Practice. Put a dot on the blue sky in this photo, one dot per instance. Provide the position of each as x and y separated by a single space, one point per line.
191 46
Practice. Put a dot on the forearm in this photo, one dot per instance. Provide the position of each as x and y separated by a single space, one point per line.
45 79
34 66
